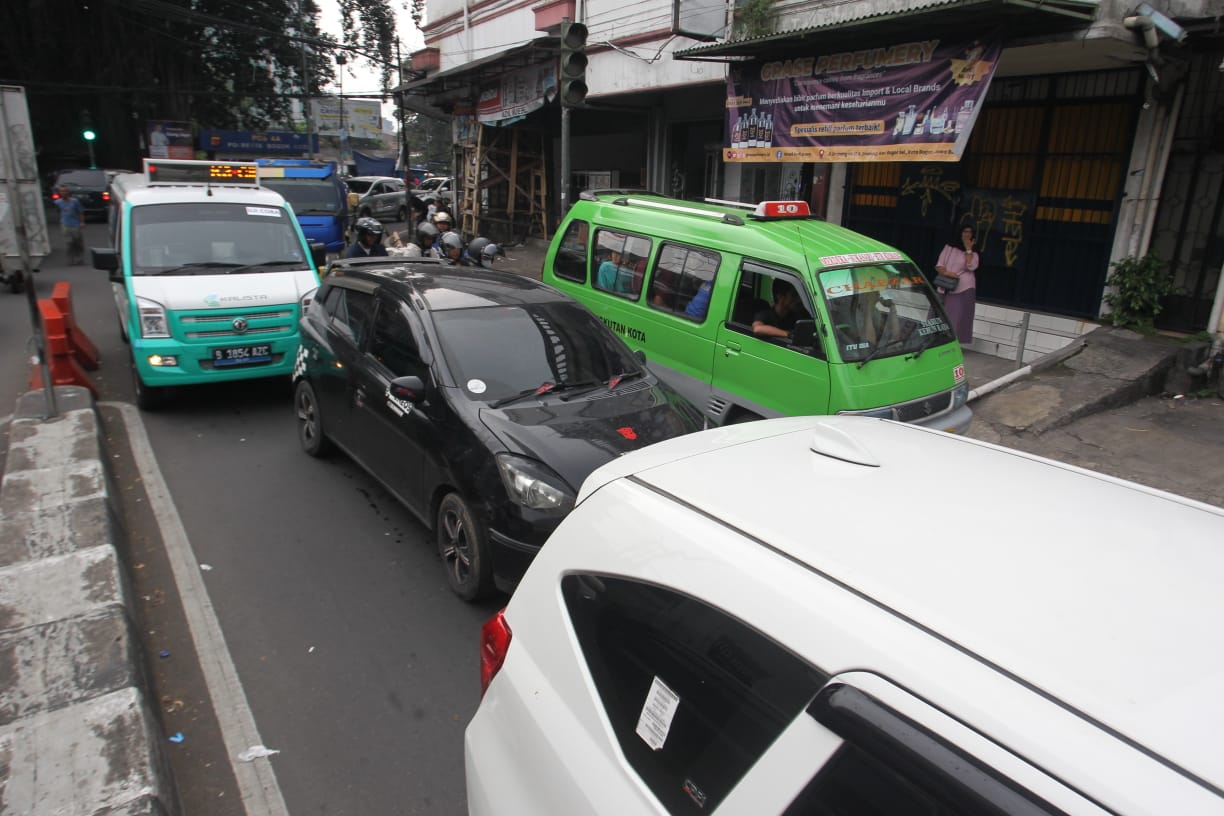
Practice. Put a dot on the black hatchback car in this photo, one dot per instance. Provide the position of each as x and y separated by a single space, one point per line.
92 187
480 399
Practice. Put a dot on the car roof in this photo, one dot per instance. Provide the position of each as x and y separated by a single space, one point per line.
1101 594
444 287
371 179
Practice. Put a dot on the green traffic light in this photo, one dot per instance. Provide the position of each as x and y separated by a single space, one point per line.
88 135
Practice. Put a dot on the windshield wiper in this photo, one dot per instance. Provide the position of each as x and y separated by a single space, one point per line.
240 269
192 268
542 388
875 352
620 378
926 343
577 388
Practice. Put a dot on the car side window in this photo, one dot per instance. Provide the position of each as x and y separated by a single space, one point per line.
349 313
683 280
570 261
754 302
620 262
694 695
392 343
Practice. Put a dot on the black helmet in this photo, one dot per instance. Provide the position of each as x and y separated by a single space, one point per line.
451 240
489 254
368 226
475 246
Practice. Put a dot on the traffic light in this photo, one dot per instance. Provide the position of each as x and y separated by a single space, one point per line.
573 64
87 131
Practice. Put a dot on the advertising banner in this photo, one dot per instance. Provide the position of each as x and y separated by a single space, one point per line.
517 94
268 142
910 101
170 140
362 117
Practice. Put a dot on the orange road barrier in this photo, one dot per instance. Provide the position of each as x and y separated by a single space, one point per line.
83 349
65 370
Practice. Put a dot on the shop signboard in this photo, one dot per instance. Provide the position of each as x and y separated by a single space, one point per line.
261 142
517 94
907 101
360 118
170 140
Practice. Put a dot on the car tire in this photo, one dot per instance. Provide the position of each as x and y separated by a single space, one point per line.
402 215
148 397
463 549
310 421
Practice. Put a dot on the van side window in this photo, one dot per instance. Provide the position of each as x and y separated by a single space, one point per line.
682 281
755 305
349 312
620 262
732 690
570 261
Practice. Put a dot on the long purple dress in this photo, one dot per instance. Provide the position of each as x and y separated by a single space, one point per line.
960 303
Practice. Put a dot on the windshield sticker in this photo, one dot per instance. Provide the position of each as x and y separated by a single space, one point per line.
477 386
657 713
860 257
958 373
266 211
933 326
841 286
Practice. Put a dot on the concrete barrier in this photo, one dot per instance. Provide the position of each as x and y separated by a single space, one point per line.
77 735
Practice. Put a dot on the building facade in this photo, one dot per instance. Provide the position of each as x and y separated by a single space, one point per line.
1099 137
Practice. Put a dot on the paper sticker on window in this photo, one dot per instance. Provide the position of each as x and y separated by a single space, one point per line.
656 718
476 386
272 211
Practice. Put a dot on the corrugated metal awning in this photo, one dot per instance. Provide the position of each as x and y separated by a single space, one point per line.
950 19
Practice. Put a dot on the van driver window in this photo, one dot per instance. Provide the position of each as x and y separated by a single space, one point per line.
768 304
571 259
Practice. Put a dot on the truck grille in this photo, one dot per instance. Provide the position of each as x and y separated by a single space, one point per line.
213 325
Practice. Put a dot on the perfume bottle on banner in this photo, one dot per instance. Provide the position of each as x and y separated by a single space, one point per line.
964 115
911 114
766 130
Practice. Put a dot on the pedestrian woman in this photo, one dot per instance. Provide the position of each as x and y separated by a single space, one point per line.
960 260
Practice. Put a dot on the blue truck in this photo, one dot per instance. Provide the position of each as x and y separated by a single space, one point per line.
316 194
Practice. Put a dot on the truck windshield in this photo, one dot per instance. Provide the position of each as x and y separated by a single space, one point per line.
883 310
207 238
308 196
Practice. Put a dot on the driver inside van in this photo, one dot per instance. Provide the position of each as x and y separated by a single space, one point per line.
780 318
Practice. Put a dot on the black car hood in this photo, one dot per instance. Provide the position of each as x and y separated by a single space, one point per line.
575 437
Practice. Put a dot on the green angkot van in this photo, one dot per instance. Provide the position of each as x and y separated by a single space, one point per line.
684 282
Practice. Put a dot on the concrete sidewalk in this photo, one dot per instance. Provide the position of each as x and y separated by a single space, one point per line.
77 735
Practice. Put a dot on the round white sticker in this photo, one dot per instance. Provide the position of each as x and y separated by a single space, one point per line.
476 386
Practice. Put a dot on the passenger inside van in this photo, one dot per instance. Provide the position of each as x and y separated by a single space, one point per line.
778 320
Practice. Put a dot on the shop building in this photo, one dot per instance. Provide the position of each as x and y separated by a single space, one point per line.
1099 137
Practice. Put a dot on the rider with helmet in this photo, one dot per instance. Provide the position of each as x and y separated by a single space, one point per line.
471 255
452 247
427 240
369 240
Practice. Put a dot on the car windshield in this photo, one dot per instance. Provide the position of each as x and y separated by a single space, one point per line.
359 185
207 238
882 310
82 178
497 352
309 196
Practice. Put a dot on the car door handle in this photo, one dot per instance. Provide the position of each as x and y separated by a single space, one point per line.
732 348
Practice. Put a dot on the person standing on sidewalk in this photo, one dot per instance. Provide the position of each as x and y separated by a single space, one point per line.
71 217
961 262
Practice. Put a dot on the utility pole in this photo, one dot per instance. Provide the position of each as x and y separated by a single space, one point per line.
306 111
342 60
405 157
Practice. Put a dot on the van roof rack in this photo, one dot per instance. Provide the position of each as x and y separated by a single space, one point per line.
726 218
593 195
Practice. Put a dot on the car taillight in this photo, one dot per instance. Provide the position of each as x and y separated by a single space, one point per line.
494 643
105 196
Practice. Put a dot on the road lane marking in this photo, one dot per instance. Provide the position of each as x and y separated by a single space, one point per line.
261 795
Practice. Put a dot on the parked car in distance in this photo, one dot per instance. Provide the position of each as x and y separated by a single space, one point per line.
381 197
91 187
789 616
479 399
437 190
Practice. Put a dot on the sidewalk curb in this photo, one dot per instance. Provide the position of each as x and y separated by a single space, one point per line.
77 734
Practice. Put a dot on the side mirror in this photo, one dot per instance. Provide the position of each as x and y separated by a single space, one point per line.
104 258
318 253
803 335
640 356
410 388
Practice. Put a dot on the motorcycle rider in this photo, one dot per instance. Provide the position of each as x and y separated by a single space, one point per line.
369 240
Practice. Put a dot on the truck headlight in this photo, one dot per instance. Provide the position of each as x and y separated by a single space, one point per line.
152 318
534 484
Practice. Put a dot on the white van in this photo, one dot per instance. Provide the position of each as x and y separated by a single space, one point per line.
845 615
210 273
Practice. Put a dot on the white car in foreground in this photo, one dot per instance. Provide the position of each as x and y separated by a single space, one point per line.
842 615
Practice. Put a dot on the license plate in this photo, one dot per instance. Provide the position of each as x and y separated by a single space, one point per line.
242 355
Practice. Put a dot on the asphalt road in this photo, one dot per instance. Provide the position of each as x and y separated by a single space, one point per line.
357 662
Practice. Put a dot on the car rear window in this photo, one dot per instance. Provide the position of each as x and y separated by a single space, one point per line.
694 695
83 178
